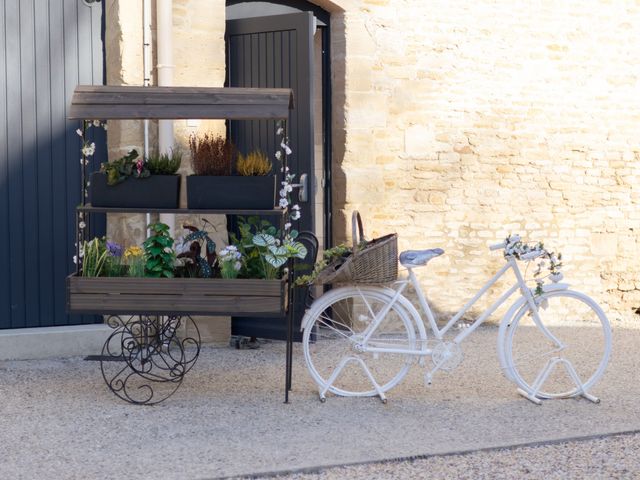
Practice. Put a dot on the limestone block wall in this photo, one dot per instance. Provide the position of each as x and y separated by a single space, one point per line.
457 123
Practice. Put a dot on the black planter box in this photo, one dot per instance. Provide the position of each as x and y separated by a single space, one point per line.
156 191
231 193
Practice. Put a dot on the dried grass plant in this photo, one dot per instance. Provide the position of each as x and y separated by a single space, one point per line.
254 164
211 155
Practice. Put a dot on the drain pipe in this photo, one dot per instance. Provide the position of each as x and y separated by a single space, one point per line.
146 67
164 69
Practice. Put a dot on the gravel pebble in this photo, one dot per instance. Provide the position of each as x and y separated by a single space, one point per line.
58 420
604 458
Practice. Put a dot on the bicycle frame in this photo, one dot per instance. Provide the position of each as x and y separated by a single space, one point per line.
439 333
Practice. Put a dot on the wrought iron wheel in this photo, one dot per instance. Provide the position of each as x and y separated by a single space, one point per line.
146 357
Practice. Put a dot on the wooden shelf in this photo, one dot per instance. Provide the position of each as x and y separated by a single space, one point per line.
132 102
187 211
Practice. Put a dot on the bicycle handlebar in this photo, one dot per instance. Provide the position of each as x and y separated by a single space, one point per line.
511 239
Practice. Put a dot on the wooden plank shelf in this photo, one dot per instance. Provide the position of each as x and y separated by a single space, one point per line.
187 211
132 102
176 296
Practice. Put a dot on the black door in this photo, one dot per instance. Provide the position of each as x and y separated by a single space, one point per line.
276 52
46 49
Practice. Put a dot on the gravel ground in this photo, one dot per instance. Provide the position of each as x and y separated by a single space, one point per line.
604 458
58 420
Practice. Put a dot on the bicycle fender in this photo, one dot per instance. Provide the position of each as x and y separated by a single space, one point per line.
506 320
504 324
402 301
554 287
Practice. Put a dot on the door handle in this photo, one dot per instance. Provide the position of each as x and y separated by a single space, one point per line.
303 193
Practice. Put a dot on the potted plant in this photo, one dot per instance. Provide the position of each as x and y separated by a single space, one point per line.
255 170
133 182
213 185
153 280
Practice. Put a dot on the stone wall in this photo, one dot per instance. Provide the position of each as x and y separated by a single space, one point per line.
457 123
463 122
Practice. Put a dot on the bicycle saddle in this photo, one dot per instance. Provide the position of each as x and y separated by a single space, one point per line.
416 258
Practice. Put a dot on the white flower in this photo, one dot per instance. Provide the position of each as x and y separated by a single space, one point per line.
283 193
181 245
287 226
89 149
237 266
96 123
279 155
288 188
104 125
79 132
280 131
82 225
296 207
285 147
230 253
75 259
283 203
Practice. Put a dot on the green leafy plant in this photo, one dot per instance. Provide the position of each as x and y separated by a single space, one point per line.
165 163
211 155
264 252
127 166
254 164
158 253
94 257
331 256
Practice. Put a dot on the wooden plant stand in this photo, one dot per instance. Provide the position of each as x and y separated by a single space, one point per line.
155 341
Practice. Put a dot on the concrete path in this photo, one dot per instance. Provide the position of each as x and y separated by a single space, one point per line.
609 457
58 420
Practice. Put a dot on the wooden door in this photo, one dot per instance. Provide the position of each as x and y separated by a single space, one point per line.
276 51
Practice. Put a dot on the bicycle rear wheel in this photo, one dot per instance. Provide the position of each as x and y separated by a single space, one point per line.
335 325
580 326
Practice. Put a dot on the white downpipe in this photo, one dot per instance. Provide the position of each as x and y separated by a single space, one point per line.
164 69
146 67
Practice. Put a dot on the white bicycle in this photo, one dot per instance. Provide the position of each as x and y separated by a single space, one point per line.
553 342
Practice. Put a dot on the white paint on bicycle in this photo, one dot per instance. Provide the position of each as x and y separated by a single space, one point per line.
389 308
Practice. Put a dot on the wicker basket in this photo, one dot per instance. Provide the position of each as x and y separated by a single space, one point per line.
376 262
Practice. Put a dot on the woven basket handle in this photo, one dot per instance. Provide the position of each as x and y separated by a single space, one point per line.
357 232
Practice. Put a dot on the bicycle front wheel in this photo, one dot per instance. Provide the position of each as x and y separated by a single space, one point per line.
333 345
573 334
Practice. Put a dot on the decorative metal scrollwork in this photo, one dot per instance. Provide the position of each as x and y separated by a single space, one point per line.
145 358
